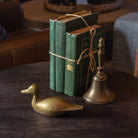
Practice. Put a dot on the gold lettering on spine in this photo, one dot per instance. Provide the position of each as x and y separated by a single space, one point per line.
69 66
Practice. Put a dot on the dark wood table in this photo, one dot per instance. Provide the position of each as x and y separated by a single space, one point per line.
17 118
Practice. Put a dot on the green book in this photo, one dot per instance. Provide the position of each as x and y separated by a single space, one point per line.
76 74
52 57
64 25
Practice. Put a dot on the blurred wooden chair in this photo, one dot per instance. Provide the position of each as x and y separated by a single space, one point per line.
23 45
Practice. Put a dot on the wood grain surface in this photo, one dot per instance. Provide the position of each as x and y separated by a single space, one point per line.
17 118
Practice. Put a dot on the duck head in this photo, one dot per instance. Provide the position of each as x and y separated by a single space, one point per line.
33 89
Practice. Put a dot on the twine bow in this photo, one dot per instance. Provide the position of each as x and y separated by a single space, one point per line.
90 54
92 62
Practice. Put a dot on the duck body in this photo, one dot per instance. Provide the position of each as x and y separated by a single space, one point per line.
51 106
54 106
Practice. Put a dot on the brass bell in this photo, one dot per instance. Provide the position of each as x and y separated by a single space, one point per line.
99 93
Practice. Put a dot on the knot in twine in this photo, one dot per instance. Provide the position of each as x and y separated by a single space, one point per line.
90 53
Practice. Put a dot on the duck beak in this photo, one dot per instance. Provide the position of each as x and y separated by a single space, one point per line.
24 91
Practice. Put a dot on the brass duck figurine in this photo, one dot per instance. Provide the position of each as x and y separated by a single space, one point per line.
51 106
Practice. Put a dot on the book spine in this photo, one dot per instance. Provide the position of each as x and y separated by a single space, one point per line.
75 79
70 67
60 50
76 75
52 57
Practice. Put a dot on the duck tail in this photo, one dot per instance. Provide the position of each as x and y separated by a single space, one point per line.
75 107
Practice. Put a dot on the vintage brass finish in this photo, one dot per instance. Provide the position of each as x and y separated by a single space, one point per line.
99 93
51 106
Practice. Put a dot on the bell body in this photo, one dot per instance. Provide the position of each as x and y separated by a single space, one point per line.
98 92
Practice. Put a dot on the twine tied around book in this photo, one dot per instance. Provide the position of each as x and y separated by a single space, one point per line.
90 53
92 62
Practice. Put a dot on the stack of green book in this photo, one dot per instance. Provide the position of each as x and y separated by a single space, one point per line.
58 28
